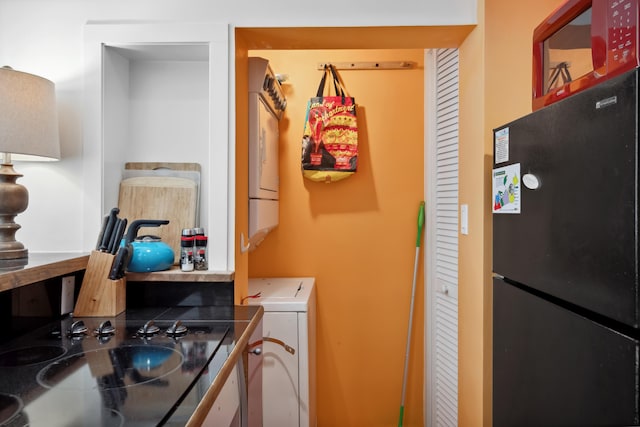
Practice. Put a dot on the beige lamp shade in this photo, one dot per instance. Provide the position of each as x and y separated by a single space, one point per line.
28 116
28 131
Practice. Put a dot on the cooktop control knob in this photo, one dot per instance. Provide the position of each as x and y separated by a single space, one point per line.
148 329
105 329
177 329
77 329
266 83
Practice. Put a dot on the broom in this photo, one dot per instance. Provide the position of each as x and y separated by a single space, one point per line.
413 294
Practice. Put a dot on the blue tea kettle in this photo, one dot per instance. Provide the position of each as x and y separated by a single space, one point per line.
150 253
147 253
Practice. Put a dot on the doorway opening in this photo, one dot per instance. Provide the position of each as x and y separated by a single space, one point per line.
339 397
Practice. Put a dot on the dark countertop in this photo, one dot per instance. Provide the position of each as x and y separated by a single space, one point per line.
87 361
243 329
244 319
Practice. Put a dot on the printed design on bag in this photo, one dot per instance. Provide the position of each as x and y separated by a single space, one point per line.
317 118
331 136
340 139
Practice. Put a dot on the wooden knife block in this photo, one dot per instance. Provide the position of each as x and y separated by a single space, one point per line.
100 296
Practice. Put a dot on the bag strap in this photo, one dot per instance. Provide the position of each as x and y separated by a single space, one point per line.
323 80
337 84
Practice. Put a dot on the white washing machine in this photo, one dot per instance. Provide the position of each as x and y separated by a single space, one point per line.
289 350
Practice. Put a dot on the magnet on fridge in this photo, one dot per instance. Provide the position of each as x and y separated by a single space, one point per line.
531 181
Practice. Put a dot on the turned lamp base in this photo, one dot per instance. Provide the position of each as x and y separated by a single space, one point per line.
14 199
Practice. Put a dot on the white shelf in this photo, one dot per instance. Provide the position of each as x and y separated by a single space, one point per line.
159 92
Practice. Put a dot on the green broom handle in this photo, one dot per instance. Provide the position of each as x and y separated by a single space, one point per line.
413 290
420 224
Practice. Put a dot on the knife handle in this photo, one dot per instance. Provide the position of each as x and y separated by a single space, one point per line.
118 267
102 230
107 235
108 231
118 235
112 237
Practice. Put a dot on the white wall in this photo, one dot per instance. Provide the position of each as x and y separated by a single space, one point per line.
45 37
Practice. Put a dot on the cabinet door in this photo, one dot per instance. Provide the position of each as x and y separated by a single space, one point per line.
280 387
227 408
254 357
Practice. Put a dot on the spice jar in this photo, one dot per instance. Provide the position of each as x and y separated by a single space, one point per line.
187 242
200 256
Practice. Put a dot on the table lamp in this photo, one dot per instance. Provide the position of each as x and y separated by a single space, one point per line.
28 131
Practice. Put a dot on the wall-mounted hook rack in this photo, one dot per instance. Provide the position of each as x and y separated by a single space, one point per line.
370 65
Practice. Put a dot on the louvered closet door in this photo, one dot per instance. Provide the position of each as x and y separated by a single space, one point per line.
441 244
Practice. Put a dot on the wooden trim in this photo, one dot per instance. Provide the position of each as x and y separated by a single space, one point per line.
41 267
205 405
384 65
176 275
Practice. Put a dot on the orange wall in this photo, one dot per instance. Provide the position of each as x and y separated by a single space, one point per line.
352 235
509 58
242 172
495 87
472 256
356 237
506 28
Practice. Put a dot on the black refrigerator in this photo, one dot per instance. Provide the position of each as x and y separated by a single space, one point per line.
565 262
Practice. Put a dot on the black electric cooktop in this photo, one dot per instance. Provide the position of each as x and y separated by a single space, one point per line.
145 367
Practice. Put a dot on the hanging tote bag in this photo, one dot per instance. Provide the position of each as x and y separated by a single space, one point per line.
330 137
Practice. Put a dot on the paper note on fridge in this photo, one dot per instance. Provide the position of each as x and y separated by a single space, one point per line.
506 189
501 146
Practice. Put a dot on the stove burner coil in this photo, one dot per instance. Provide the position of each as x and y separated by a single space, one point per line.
123 367
11 411
30 355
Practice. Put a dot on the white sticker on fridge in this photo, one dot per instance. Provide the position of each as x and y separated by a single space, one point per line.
501 142
506 189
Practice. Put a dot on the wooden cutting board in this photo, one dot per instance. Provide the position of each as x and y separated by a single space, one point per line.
160 197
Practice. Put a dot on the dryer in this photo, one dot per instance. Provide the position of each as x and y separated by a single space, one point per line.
288 350
266 106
